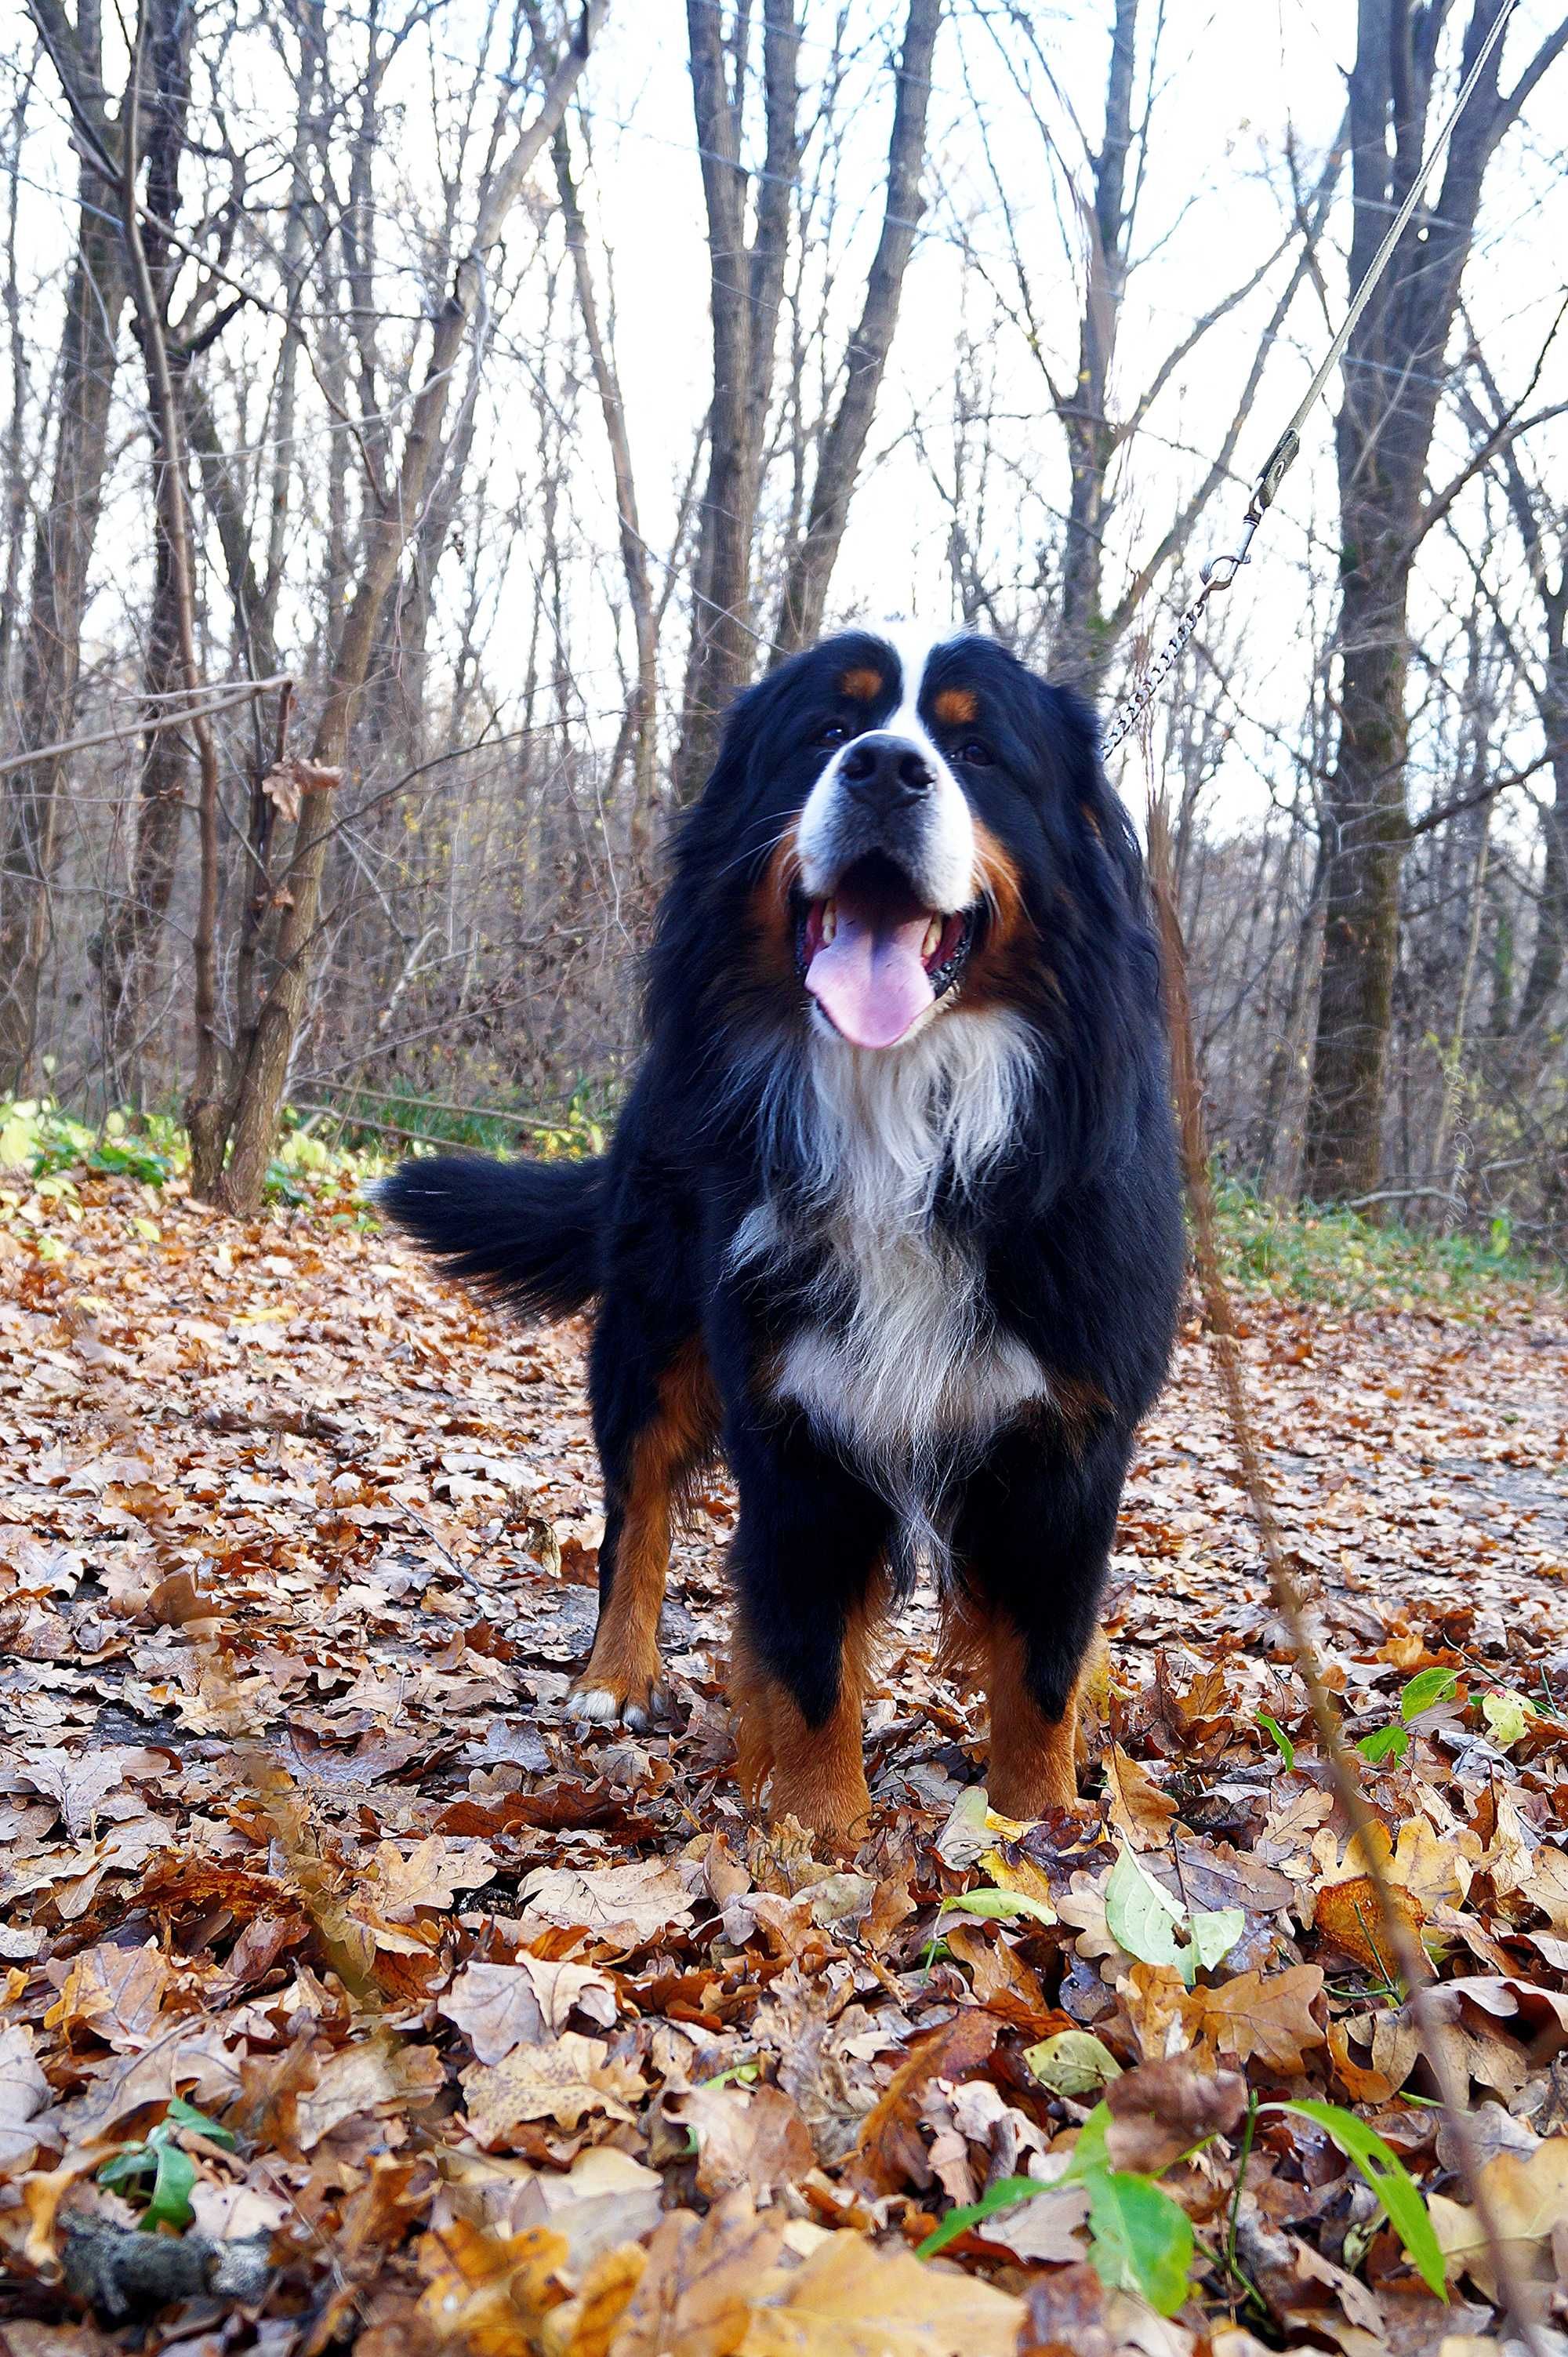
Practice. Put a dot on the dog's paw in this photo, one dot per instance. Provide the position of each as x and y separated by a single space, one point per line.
636 1706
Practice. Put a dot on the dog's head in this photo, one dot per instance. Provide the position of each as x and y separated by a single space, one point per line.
898 826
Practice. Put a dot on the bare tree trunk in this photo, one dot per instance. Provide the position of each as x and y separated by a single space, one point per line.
174 529
1079 644
253 1121
1547 958
130 944
1393 375
16 432
1550 950
62 553
812 565
1368 833
747 282
643 714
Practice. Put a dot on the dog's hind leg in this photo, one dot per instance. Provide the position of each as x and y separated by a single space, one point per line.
654 1430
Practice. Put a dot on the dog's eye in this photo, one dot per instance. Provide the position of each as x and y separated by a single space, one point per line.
835 733
975 754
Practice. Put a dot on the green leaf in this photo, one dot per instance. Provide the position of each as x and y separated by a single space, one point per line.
1141 2240
135 2161
170 2203
1282 1741
1215 1932
1090 2157
181 2115
1385 1743
1507 1717
998 1905
739 2074
1430 1686
1404 2204
1073 2062
1005 2194
1141 1915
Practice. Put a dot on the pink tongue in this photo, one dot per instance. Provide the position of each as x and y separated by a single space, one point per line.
871 980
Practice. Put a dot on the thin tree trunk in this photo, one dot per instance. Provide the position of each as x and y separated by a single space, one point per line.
747 283
130 946
1550 950
1369 830
1453 1062
252 1124
643 712
1077 647
174 529
62 555
812 565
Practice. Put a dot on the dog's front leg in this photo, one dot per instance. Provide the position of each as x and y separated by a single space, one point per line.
809 1553
1031 1544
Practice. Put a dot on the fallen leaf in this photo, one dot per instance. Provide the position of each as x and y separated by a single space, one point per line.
851 2298
1528 2196
1263 2015
1160 2110
621 1905
489 2296
429 1876
115 1993
890 2152
561 2082
1140 1811
750 2138
24 2092
695 2295
77 1781
497 2007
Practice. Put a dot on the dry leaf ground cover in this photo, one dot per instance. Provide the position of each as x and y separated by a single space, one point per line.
350 1997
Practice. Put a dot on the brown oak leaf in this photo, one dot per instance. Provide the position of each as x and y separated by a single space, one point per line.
750 2138
1268 2016
696 2291
498 2007
1161 2110
852 2299
562 2081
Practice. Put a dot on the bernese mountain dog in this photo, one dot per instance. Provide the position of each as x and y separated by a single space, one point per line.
891 1217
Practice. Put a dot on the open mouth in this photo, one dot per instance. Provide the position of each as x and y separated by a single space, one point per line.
873 956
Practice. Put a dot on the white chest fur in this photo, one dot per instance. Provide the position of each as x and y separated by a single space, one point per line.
897 1358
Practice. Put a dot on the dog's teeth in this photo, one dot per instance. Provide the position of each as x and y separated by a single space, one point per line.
933 940
829 921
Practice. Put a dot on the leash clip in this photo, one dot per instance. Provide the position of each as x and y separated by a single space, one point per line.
1281 458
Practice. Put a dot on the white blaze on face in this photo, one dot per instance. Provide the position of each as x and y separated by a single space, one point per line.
946 878
873 951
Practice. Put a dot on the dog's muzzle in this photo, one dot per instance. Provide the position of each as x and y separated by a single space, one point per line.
884 921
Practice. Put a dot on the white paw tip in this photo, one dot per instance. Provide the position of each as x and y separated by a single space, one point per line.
595 1705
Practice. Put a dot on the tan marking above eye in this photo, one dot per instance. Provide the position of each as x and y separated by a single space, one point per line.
862 685
955 707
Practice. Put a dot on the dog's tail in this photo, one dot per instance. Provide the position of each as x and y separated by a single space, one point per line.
525 1232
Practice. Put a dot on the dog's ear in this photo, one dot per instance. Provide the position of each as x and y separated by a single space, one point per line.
1092 810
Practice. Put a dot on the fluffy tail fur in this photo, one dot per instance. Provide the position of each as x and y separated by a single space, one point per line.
525 1232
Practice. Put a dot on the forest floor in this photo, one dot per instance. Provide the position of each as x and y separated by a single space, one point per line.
349 1996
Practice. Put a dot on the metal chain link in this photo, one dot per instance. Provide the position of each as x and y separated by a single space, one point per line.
1133 707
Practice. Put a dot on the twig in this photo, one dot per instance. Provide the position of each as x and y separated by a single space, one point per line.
1453 2084
147 726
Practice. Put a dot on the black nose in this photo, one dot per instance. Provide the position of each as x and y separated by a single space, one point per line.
885 771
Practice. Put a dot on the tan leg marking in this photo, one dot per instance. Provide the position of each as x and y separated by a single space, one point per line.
622 1677
815 1773
1034 1759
